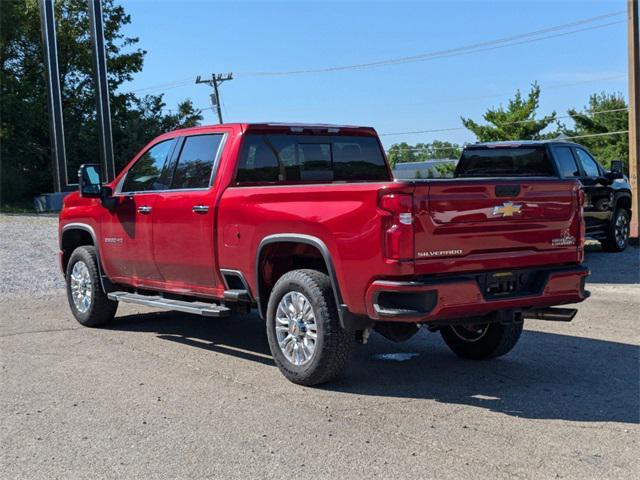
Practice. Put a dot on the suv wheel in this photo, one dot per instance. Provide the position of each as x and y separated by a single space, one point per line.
618 232
305 337
88 302
482 341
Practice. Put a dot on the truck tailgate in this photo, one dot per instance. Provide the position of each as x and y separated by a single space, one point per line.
470 224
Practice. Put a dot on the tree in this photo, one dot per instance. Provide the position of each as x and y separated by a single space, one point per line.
590 122
401 153
421 152
516 122
26 168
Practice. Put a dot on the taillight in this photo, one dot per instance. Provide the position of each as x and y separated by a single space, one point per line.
582 231
397 225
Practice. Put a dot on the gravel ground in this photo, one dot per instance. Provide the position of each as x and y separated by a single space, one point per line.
28 251
168 395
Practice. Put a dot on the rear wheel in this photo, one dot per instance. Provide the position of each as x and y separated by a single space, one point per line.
482 341
305 337
618 232
88 302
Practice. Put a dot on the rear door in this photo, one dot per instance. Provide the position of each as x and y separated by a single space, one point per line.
183 220
597 210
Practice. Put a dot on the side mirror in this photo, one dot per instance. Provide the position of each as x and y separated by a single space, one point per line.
90 180
616 169
606 180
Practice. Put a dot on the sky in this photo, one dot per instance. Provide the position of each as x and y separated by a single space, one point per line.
184 39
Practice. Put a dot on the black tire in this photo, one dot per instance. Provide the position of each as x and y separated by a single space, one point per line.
617 232
494 340
100 309
333 344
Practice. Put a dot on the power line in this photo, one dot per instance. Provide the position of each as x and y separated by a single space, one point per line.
451 129
454 146
472 48
597 134
480 97
164 86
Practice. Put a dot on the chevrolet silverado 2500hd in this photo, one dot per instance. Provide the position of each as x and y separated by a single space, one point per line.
306 224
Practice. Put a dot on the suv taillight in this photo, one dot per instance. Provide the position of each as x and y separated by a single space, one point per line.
397 225
582 230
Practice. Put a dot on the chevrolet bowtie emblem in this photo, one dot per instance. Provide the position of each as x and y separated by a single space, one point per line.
507 209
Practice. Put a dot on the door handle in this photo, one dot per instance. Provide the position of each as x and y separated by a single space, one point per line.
144 209
200 208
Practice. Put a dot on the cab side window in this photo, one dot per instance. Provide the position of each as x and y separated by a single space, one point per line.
567 165
149 172
589 165
195 164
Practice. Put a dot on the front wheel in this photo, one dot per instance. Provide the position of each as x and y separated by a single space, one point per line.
618 234
482 341
307 342
88 302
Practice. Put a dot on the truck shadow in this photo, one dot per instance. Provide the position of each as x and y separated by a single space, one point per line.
547 376
612 268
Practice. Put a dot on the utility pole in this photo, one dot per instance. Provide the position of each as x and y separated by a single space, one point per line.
214 82
634 113
54 95
96 32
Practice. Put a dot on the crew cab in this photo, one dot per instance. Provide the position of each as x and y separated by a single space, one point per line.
305 224
607 208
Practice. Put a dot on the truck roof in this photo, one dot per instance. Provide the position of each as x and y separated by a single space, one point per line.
254 126
519 143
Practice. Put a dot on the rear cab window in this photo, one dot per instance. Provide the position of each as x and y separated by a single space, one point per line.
511 161
299 158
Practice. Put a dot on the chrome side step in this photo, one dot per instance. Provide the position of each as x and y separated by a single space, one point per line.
156 301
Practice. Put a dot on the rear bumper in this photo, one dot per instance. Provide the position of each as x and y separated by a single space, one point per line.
449 297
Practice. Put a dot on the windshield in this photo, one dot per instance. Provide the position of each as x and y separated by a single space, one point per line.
505 162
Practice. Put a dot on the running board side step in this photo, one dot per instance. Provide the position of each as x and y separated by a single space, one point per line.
550 314
156 301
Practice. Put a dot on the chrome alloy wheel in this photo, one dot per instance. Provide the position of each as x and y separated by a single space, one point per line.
296 328
470 333
81 286
622 230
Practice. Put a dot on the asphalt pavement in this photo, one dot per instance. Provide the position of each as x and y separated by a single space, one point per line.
170 395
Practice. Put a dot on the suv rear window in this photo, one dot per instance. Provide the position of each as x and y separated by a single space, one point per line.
505 162
293 158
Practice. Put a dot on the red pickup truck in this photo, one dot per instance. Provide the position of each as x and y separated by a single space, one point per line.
306 224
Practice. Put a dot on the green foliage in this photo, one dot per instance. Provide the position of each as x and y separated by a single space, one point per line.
24 123
420 152
606 147
445 170
516 122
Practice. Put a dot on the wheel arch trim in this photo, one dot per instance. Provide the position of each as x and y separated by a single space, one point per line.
105 283
308 240
624 194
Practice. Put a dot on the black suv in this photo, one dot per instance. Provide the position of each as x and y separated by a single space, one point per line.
607 208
